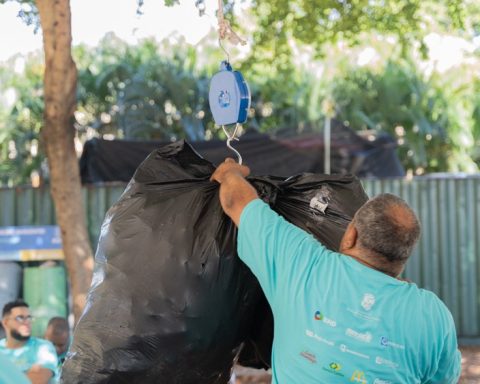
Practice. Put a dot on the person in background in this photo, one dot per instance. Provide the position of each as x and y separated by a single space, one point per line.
343 316
33 356
58 333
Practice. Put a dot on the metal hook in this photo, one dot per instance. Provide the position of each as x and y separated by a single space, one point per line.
230 138
224 50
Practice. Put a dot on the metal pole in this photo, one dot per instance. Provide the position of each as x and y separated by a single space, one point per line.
327 143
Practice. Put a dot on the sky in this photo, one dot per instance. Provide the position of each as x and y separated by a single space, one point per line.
92 19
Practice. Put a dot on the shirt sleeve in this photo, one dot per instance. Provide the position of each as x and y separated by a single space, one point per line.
449 365
280 254
46 356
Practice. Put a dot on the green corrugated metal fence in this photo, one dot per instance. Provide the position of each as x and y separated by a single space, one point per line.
28 206
446 261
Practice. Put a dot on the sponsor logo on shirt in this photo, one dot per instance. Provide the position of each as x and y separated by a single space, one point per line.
368 301
384 342
334 369
359 377
309 356
381 381
345 349
313 335
363 315
381 361
365 337
319 316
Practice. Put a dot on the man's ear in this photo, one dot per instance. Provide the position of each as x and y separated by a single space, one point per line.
349 239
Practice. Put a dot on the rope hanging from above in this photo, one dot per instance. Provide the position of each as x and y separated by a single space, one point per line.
229 95
225 30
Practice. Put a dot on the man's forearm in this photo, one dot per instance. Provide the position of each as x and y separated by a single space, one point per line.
235 194
235 191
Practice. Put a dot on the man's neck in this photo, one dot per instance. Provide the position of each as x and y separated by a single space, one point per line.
14 343
362 257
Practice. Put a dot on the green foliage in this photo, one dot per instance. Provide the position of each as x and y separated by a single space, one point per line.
316 23
20 122
135 93
432 122
283 102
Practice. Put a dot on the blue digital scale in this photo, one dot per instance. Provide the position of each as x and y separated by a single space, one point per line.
229 96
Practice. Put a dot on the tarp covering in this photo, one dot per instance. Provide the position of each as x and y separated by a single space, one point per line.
104 160
170 300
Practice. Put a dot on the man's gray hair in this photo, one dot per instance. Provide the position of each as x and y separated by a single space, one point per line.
387 226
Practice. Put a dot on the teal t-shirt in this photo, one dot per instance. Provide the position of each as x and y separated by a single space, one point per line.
337 320
35 351
10 374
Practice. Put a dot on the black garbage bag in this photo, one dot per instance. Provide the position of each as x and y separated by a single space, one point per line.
170 300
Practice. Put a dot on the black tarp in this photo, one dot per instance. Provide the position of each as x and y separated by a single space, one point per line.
104 160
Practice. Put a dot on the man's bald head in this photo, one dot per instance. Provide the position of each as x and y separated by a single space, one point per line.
387 227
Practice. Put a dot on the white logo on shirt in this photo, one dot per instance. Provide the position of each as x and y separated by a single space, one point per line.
363 315
381 381
368 301
365 337
345 349
313 335
381 361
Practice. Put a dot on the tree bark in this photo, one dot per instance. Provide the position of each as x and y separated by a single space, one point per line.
60 81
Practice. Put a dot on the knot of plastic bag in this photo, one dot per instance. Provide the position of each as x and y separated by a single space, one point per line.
267 191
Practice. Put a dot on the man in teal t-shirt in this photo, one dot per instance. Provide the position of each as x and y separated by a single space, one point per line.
346 316
33 356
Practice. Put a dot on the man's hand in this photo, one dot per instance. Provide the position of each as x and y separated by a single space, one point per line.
39 375
235 191
227 167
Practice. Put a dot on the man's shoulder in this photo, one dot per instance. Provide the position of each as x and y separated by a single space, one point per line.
37 343
45 352
432 304
429 297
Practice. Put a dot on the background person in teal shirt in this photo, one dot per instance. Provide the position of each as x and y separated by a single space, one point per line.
346 316
33 356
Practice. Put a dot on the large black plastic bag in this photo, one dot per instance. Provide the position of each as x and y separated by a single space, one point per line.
170 300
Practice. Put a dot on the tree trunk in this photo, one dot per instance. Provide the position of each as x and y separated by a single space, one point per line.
60 81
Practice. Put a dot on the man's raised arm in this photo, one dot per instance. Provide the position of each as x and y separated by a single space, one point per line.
235 191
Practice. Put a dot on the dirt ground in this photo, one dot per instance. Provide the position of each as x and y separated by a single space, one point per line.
470 365
470 370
